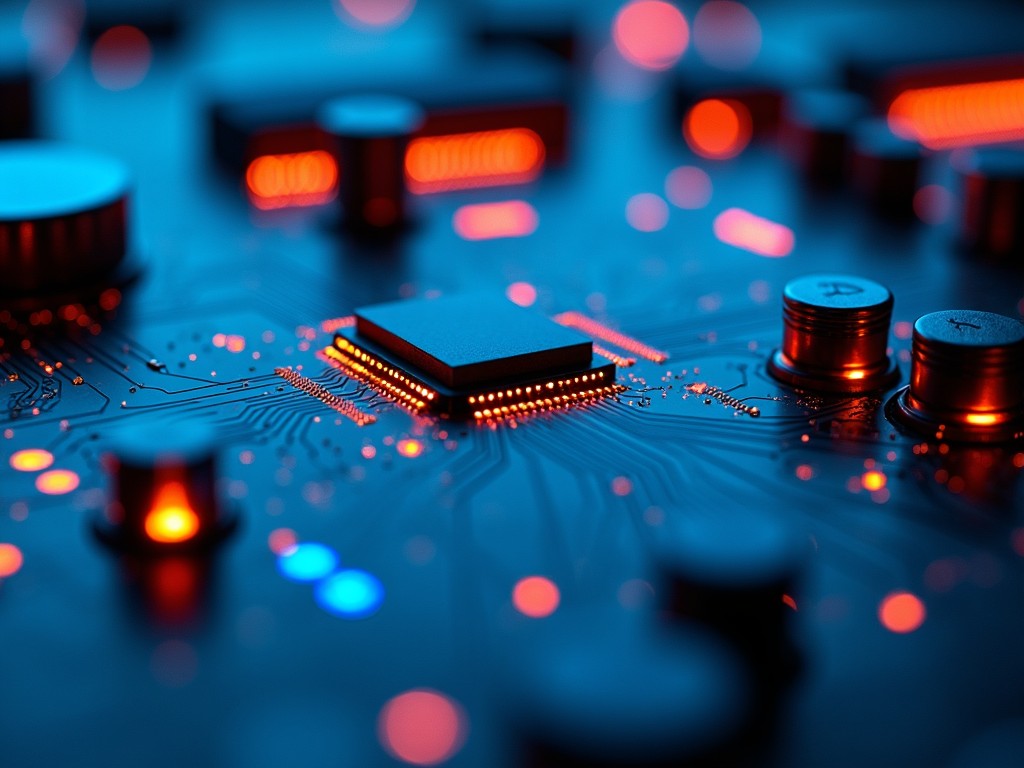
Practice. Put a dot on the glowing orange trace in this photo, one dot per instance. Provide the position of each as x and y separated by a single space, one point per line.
489 221
752 233
298 179
947 116
479 159
600 331
171 519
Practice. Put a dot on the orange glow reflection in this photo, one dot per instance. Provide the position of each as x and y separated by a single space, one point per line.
962 115
981 419
651 34
873 480
743 229
901 612
536 597
10 560
717 129
522 294
375 13
410 448
171 519
31 460
488 221
479 159
57 482
299 179
600 331
422 727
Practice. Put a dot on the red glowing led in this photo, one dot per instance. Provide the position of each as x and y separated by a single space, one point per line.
947 116
11 560
422 727
718 129
292 180
171 519
469 160
651 34
752 233
536 597
489 221
901 612
121 57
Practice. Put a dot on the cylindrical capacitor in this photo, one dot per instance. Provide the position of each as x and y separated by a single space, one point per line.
885 168
966 377
817 125
371 133
63 217
835 335
993 190
164 497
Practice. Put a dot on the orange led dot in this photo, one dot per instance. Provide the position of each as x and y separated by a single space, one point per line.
57 482
10 560
901 612
478 159
536 597
296 179
410 448
718 129
171 519
873 480
31 459
422 727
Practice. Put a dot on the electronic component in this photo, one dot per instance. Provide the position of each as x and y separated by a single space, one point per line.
163 498
885 168
993 202
472 355
371 133
63 218
966 377
835 335
817 124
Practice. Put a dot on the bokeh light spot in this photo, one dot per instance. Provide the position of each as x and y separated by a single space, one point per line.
651 34
901 612
351 594
646 212
522 294
307 562
490 221
281 540
726 34
10 560
375 13
171 519
422 727
718 129
121 57
57 482
688 187
410 448
31 460
536 597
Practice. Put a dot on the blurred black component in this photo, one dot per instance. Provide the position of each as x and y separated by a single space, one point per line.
371 134
885 169
158 19
609 692
550 25
17 93
993 200
835 335
816 129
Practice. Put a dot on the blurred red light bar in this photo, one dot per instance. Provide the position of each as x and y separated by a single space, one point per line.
477 159
965 114
752 233
488 221
292 180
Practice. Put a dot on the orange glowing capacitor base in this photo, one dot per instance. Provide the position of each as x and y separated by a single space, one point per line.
164 498
966 378
835 335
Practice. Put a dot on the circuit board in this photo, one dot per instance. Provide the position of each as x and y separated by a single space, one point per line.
386 564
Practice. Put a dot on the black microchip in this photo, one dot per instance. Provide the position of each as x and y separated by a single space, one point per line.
471 353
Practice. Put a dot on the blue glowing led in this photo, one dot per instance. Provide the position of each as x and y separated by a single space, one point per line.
351 594
307 562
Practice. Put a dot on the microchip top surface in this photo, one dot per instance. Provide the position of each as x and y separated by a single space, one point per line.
473 339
